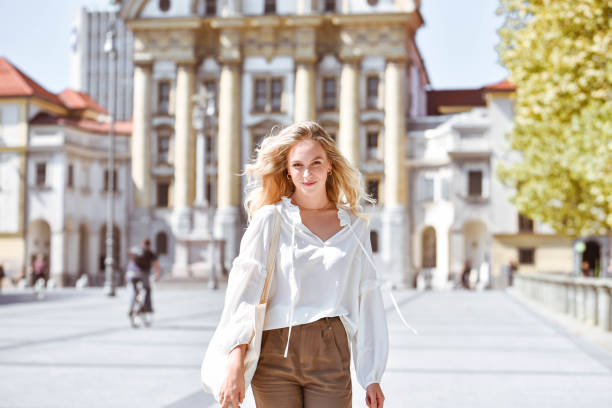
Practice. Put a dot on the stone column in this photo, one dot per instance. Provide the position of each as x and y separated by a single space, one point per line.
184 150
604 303
590 304
395 216
141 135
349 123
304 99
228 193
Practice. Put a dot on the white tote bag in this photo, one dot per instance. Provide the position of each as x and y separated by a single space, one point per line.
214 365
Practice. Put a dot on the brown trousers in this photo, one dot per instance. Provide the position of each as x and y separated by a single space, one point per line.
316 372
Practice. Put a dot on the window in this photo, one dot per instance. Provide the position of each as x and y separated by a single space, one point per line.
161 243
372 145
164 5
70 177
372 188
107 181
527 256
268 95
425 188
374 240
475 183
41 174
260 95
277 93
270 7
372 92
330 92
525 224
163 194
163 145
210 8
163 97
445 188
329 6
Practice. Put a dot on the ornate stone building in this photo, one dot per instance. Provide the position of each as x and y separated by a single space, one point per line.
54 180
351 65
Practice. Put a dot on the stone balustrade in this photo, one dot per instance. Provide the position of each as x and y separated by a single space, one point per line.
585 299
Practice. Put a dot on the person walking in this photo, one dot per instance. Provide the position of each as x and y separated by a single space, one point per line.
325 292
39 270
139 270
465 274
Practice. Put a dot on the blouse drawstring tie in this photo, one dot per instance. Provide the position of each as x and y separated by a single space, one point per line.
379 279
293 285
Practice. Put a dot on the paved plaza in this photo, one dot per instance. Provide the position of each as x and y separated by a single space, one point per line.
474 349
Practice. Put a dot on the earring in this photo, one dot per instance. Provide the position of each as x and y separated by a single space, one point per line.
288 176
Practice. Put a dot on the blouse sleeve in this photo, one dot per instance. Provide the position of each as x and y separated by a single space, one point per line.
245 283
371 341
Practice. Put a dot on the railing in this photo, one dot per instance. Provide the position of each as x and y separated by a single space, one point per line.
585 299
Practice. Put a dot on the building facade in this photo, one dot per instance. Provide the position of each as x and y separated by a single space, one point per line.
353 66
90 65
54 180
460 210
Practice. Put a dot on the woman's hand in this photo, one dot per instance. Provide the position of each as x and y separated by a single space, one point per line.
232 389
374 396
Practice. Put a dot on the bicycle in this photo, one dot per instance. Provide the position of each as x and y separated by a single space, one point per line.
138 316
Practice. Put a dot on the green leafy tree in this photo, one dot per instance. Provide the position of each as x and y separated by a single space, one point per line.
559 54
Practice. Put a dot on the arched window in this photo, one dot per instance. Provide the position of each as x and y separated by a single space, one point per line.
164 5
161 243
374 240
429 248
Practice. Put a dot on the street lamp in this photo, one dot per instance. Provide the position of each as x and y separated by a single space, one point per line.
110 49
203 113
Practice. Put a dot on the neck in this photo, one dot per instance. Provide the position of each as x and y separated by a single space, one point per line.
311 203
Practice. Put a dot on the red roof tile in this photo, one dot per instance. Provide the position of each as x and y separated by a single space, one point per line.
89 125
13 82
80 101
503 86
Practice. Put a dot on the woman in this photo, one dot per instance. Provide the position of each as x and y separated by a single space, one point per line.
325 291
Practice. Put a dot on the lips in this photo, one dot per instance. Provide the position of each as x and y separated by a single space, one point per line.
309 184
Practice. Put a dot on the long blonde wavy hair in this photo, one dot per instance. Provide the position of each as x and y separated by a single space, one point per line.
267 174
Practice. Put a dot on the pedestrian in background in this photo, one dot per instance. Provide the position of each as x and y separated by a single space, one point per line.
325 292
139 270
465 274
39 269
2 275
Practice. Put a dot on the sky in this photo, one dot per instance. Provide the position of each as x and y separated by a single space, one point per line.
457 41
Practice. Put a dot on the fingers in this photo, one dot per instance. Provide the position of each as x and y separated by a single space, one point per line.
381 399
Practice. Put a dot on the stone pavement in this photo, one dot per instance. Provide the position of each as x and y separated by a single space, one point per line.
485 349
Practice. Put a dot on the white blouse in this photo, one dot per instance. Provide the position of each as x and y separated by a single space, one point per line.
313 279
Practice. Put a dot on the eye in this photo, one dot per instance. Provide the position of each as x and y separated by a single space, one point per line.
296 165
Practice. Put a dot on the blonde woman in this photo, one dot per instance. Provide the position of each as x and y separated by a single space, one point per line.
325 293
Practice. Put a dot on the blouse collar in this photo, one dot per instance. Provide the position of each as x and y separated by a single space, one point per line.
294 212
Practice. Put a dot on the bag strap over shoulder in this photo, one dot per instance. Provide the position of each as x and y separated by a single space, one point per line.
271 258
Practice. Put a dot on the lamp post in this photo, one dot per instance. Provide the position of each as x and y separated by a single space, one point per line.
111 51
203 112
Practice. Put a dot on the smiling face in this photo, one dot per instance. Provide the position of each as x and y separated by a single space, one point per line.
308 166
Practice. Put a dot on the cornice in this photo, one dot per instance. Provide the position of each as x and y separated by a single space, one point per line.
191 23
